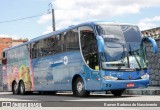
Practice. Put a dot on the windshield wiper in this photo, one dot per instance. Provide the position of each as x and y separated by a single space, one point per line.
122 57
132 52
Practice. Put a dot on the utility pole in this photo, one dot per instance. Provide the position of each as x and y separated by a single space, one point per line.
53 17
53 20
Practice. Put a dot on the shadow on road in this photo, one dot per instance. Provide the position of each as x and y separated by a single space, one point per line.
59 97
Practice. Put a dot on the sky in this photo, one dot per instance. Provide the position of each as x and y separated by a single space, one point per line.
144 13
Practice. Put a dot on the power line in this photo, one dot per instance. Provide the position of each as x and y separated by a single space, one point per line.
24 18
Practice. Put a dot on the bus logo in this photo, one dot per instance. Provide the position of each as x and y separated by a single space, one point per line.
65 60
6 104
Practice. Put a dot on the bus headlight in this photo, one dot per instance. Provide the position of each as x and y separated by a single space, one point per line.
145 76
109 78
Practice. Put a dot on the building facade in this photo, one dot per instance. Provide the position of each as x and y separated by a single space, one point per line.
154 33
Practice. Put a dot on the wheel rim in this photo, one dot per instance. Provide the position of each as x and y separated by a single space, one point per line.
79 86
15 87
22 88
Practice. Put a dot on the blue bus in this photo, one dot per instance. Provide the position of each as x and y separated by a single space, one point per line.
92 56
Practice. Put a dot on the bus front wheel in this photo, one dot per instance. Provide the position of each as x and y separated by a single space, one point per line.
117 92
21 88
79 88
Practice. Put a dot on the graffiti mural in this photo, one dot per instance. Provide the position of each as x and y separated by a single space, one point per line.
19 68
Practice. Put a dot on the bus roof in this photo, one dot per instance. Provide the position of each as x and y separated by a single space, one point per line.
65 29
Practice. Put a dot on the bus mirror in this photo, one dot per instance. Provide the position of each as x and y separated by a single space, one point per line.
153 42
100 44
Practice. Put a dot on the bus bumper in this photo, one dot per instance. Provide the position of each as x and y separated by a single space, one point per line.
125 84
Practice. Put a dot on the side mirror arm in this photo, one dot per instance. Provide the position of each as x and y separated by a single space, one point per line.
153 42
100 44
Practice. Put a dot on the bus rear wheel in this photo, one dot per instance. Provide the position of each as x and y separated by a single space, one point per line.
117 92
79 88
21 88
15 88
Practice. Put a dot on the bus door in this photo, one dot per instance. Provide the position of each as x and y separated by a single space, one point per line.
89 50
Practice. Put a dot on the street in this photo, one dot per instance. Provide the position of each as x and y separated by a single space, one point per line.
67 99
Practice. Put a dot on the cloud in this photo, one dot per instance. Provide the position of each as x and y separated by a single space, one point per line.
71 12
48 30
148 23
10 36
44 19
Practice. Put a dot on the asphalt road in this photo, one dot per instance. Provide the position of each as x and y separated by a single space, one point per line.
93 102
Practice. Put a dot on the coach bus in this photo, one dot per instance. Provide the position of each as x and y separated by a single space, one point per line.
92 56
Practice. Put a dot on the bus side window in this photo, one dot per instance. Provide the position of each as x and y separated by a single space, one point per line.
29 49
4 55
4 58
33 50
71 40
63 42
89 46
66 41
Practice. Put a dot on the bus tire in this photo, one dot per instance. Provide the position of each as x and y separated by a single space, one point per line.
15 88
79 88
117 92
28 92
51 92
21 88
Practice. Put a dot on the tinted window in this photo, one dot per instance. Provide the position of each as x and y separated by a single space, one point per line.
71 40
66 41
131 33
4 54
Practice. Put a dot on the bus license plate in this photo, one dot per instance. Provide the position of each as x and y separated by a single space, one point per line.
130 85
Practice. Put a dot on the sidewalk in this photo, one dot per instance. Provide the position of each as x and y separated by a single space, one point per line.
151 90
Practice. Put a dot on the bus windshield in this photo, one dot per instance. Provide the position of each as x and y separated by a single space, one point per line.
124 48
